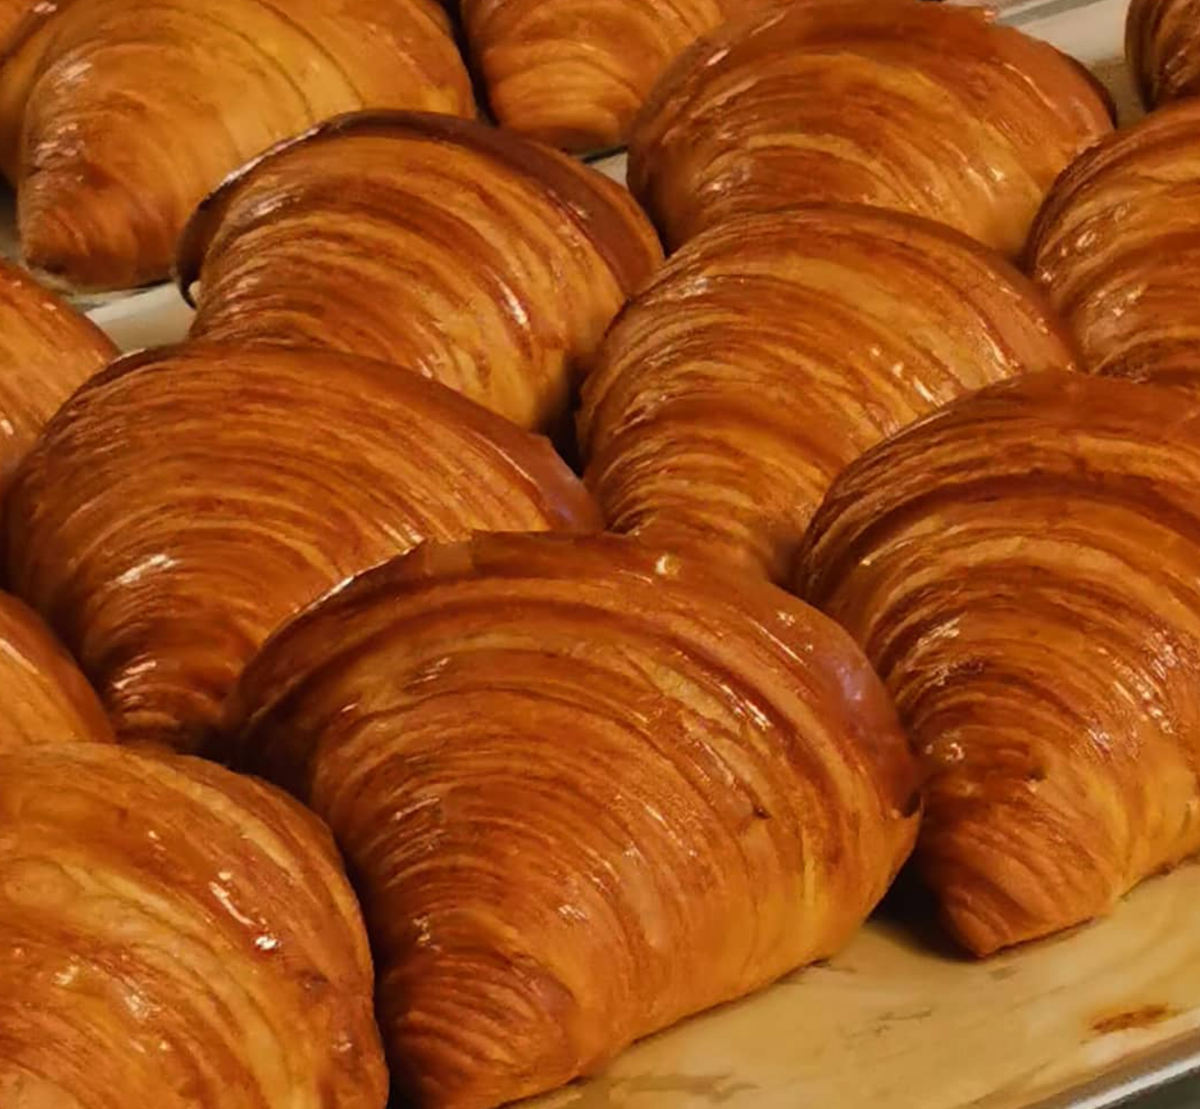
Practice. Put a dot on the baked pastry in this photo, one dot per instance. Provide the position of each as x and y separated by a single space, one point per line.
188 501
1023 568
773 350
573 73
46 699
1117 246
1162 46
175 936
923 108
586 789
178 93
483 261
47 351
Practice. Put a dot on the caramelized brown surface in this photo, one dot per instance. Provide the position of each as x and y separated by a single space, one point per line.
1117 246
586 790
771 351
573 73
474 257
1023 568
43 696
1163 48
135 109
188 501
47 350
900 104
175 936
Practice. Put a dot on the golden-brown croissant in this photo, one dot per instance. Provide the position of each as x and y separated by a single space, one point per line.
1023 568
573 73
43 696
773 350
1117 245
587 789
175 936
1162 46
47 351
189 500
134 109
900 104
481 260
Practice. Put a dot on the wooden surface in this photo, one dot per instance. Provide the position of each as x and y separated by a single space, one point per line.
902 1022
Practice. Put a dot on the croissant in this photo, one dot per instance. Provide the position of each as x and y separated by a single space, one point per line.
587 788
1023 569
178 93
573 73
1117 246
188 501
46 352
46 699
773 350
1162 46
918 107
478 259
175 936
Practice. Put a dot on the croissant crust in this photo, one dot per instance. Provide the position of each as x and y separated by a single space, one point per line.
1162 46
587 789
174 936
481 260
1023 568
919 107
773 350
188 500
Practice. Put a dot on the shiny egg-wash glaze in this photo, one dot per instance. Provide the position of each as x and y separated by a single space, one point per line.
121 115
43 696
47 350
1023 568
1117 246
585 789
773 350
187 501
1162 46
900 104
176 937
476 258
573 73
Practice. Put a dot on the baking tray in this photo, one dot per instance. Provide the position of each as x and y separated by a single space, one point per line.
1087 1020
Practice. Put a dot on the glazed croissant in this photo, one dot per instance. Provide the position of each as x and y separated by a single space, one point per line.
188 501
773 350
1023 568
1162 46
900 104
45 697
47 351
587 790
177 94
478 259
1117 246
573 73
175 936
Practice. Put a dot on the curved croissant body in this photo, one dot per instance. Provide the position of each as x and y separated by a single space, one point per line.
47 351
476 258
1023 568
773 350
45 697
177 936
899 104
587 790
1163 48
1117 247
178 93
188 501
573 73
